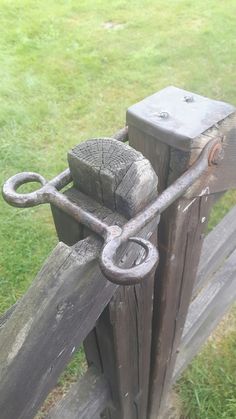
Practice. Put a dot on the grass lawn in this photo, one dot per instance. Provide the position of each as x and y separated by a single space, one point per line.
69 70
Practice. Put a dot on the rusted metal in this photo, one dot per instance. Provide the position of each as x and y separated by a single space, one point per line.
133 226
113 236
216 154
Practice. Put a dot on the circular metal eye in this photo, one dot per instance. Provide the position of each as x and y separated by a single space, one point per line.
128 276
30 199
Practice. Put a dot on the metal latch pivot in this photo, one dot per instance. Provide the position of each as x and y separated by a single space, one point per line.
113 236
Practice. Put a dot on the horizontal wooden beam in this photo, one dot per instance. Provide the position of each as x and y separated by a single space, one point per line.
40 333
86 399
48 324
205 312
217 246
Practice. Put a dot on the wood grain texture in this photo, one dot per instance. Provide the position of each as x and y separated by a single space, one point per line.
205 311
42 331
5 316
217 246
106 170
122 179
180 237
48 324
86 399
156 152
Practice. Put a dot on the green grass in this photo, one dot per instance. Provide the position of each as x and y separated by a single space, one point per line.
65 78
208 388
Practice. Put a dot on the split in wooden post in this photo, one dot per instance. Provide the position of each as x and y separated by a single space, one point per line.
172 144
121 179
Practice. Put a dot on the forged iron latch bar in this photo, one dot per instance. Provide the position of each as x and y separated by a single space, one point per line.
113 236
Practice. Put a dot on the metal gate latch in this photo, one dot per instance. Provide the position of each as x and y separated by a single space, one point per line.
113 236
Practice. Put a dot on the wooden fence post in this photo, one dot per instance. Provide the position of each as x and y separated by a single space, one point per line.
120 178
170 128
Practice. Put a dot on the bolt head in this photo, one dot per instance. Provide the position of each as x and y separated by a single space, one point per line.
216 154
189 98
163 115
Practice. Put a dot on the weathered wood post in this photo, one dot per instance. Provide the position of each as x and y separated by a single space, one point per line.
119 178
170 128
132 350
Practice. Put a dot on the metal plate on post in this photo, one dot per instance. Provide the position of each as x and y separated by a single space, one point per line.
186 121
177 117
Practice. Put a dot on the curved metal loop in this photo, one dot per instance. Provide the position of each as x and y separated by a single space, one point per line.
114 235
127 276
30 199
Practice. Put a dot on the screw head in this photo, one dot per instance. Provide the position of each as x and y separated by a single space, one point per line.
163 115
188 98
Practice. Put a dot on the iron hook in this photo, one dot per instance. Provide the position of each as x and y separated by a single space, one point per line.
113 236
127 276
24 200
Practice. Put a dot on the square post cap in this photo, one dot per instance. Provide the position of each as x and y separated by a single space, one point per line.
177 117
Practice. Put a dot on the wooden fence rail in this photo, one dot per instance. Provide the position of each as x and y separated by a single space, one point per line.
137 339
87 398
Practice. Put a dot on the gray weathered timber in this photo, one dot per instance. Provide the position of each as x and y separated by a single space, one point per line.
43 330
5 316
182 226
217 246
119 346
188 125
86 399
180 239
156 152
53 318
108 170
205 311
48 325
